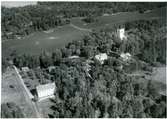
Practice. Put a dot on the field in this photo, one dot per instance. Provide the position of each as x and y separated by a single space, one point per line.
34 43
118 18
13 91
158 77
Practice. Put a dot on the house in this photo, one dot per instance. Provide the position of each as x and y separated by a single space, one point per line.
125 56
50 68
25 69
101 57
45 91
105 14
121 33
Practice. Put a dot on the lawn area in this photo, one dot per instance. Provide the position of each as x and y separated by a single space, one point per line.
36 42
118 18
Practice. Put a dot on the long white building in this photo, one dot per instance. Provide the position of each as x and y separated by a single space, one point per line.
45 91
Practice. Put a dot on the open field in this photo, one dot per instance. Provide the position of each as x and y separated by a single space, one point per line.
12 90
118 18
45 107
36 42
158 77
49 40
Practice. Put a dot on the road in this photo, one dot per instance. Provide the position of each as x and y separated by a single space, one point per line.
79 28
26 93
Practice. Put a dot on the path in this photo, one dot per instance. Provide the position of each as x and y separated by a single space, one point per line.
79 28
27 95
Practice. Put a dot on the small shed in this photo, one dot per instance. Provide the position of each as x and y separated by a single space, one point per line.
101 57
45 91
25 69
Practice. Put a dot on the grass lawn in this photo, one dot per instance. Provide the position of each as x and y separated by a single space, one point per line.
118 18
36 42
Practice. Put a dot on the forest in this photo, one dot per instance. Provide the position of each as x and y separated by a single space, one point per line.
106 90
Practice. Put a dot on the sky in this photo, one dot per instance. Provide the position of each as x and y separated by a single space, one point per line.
17 3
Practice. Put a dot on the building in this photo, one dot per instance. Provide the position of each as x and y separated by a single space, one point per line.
73 57
106 14
50 68
121 33
125 56
25 69
45 91
101 57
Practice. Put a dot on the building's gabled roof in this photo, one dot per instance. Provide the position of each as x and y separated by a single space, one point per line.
25 68
45 87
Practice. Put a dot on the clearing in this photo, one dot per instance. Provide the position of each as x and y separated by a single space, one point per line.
12 90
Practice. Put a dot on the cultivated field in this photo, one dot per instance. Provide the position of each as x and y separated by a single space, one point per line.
58 37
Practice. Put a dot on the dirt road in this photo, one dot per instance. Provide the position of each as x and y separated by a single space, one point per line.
26 93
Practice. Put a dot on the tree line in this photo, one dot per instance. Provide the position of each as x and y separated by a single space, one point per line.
18 22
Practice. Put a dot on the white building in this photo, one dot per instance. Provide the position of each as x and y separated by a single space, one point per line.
121 33
73 57
50 68
101 57
125 56
25 69
105 14
45 91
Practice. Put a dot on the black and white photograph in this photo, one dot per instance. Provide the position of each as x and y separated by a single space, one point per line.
83 59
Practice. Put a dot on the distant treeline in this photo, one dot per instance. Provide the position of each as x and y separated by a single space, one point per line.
22 21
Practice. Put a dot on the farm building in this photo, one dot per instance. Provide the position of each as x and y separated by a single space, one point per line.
45 91
101 57
121 33
25 69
